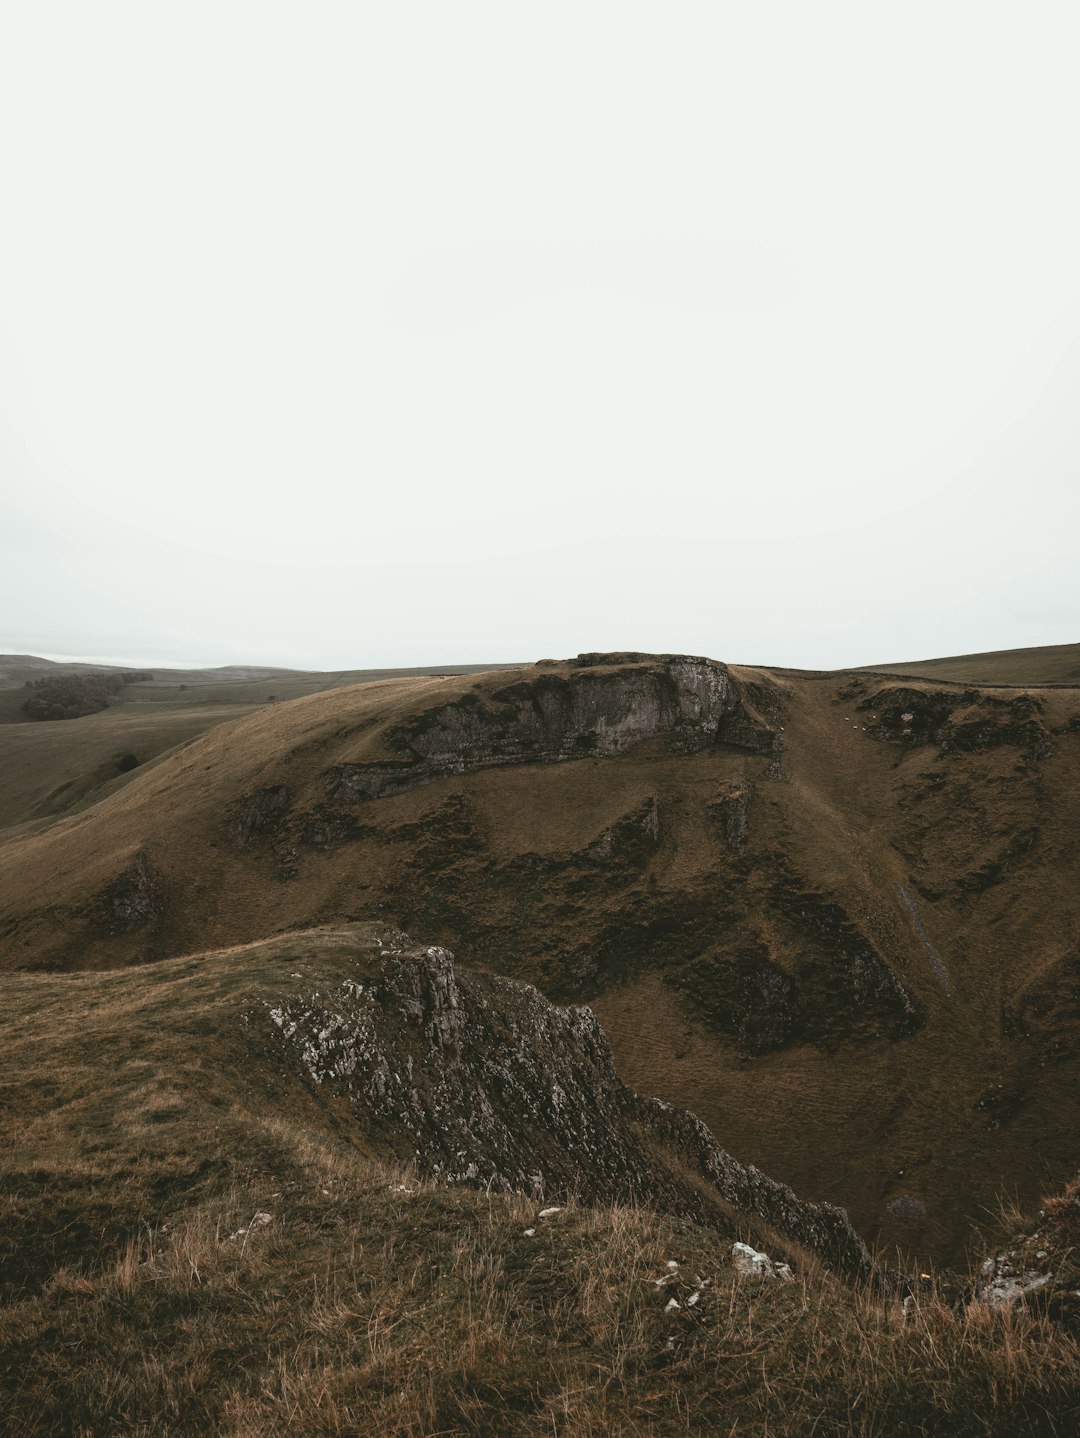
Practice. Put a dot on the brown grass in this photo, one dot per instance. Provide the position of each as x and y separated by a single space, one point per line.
1044 664
367 1311
139 1138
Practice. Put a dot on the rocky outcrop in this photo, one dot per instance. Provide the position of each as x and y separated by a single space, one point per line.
957 723
600 708
810 975
729 814
1005 1278
134 899
1041 1267
755 1265
259 813
482 1080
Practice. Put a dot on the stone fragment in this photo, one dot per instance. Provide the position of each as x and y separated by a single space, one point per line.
750 1263
1005 1278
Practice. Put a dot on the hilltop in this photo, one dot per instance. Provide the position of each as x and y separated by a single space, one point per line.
1045 664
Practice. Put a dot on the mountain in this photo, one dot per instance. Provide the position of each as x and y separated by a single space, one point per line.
833 916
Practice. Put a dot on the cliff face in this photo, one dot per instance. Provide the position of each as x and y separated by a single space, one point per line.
482 1080
594 712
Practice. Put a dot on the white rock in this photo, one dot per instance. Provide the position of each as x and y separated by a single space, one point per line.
671 1303
547 1212
259 1221
750 1263
694 1297
1003 1279
672 1264
783 1270
529 1232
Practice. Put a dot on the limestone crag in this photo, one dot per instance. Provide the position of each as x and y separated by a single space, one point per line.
482 1080
596 710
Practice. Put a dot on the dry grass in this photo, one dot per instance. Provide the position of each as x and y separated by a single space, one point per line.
142 1296
373 1311
1045 664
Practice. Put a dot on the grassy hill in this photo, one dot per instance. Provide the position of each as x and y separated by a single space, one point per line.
1047 664
50 769
196 1240
847 939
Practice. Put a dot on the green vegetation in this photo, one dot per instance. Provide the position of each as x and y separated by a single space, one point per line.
71 696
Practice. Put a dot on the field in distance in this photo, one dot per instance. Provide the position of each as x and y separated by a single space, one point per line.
52 768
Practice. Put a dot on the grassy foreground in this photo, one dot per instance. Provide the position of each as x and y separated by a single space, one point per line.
192 1244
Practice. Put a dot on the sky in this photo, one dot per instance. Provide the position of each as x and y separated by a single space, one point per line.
344 336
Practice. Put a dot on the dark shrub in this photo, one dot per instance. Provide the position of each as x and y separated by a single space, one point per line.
71 696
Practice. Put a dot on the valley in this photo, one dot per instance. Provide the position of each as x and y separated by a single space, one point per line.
834 916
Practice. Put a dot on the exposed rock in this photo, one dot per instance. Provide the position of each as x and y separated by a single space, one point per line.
748 997
906 1205
259 1220
599 709
729 813
1042 1266
752 1264
958 723
629 840
134 899
1004 1278
257 814
481 1080
908 716
992 721
937 963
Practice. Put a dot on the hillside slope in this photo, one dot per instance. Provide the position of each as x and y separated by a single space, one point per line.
204 1230
49 769
1041 664
836 917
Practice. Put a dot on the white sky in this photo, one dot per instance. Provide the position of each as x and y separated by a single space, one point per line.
393 333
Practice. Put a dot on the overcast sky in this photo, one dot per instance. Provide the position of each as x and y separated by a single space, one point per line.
392 333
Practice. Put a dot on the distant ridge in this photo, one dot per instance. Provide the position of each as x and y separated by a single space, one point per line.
16 669
1057 664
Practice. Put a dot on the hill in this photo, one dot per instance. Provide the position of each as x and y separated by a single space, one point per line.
834 916
47 771
208 1229
1048 664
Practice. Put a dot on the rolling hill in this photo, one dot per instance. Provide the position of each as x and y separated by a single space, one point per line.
1045 664
46 772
